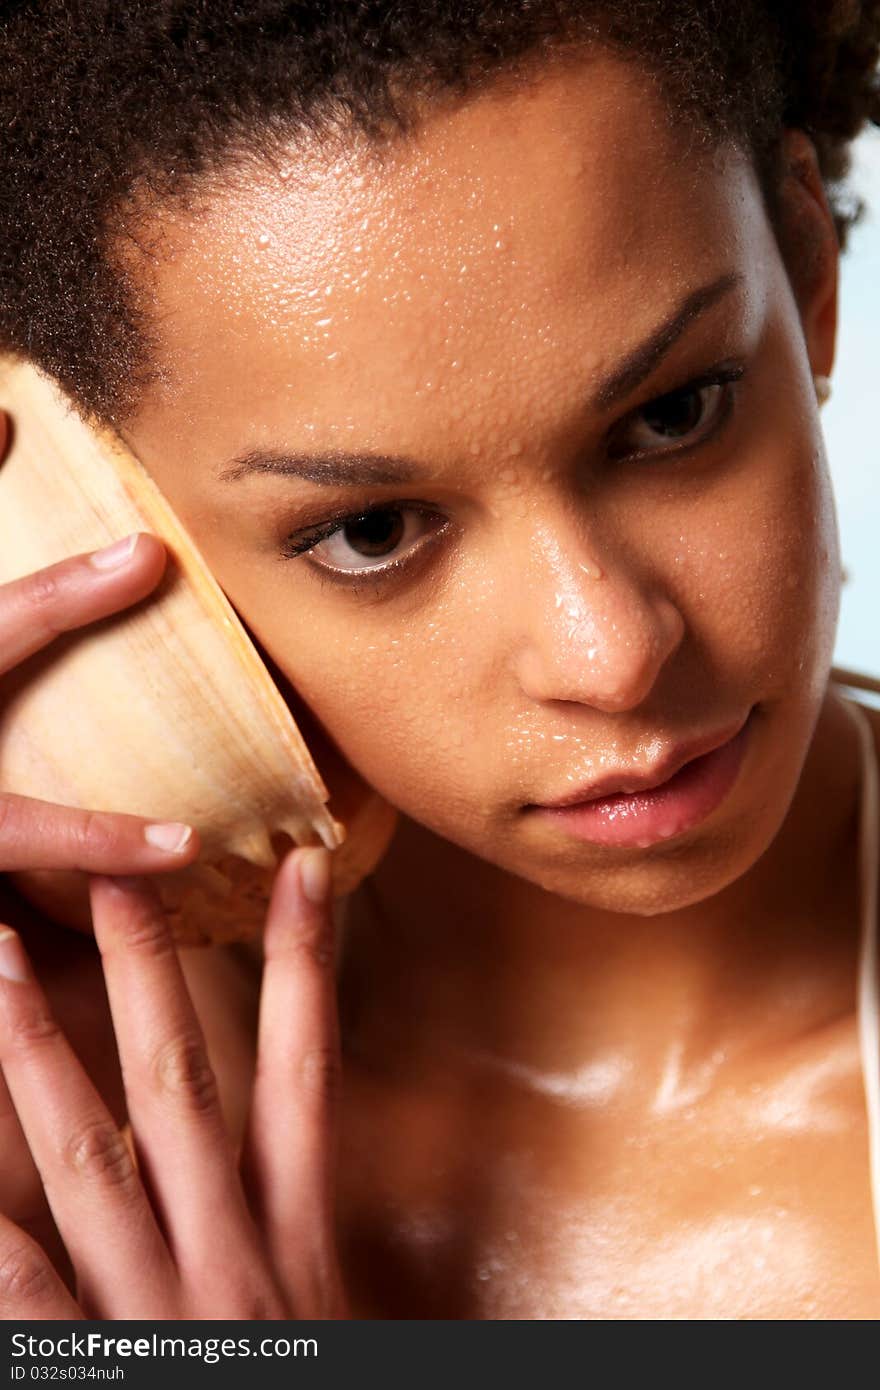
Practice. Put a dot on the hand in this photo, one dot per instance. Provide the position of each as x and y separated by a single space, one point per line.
34 610
36 835
187 1231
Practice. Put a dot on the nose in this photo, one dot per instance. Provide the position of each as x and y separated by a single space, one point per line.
595 627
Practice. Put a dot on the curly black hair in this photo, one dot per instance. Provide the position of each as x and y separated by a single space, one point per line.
101 101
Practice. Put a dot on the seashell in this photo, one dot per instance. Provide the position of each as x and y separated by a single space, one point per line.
165 710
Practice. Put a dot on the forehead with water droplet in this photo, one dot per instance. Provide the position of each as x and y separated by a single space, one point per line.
465 282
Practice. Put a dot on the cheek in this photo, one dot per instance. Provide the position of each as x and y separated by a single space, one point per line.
401 699
763 577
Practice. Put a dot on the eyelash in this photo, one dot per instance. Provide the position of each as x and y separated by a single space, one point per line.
303 542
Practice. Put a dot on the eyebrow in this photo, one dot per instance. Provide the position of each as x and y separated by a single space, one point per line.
641 361
334 468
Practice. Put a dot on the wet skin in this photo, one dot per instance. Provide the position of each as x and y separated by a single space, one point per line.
580 1081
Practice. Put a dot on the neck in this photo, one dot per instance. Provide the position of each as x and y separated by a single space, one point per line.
446 955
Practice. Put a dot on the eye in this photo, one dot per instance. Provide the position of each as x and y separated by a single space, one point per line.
683 417
369 542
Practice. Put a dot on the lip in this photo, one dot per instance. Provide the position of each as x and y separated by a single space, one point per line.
622 781
694 786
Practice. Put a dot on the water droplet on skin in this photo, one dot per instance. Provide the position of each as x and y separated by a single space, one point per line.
263 239
484 1274
455 365
593 570
284 175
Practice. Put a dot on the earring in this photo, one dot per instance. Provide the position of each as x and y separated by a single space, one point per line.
823 387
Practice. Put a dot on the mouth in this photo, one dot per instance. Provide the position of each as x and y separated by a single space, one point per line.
625 781
635 810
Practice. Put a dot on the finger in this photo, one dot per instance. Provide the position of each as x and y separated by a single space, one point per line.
182 1142
30 1289
23 1197
288 1156
39 835
73 592
24 1200
91 1182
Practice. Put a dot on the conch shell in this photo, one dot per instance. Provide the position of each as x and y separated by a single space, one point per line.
166 710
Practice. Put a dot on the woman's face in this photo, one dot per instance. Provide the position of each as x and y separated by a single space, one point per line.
564 575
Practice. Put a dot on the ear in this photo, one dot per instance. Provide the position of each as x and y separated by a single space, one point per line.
810 248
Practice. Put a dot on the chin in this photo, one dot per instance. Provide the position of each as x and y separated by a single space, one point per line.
669 877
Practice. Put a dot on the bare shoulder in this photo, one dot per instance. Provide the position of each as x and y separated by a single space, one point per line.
865 690
873 713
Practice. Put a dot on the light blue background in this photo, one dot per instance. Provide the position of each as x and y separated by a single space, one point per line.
848 421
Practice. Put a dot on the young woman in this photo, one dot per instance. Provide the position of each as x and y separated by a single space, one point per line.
479 348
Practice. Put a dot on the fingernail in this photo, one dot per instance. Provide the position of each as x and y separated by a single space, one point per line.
170 836
115 555
13 961
314 874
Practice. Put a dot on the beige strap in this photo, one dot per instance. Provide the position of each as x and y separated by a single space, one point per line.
868 1004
